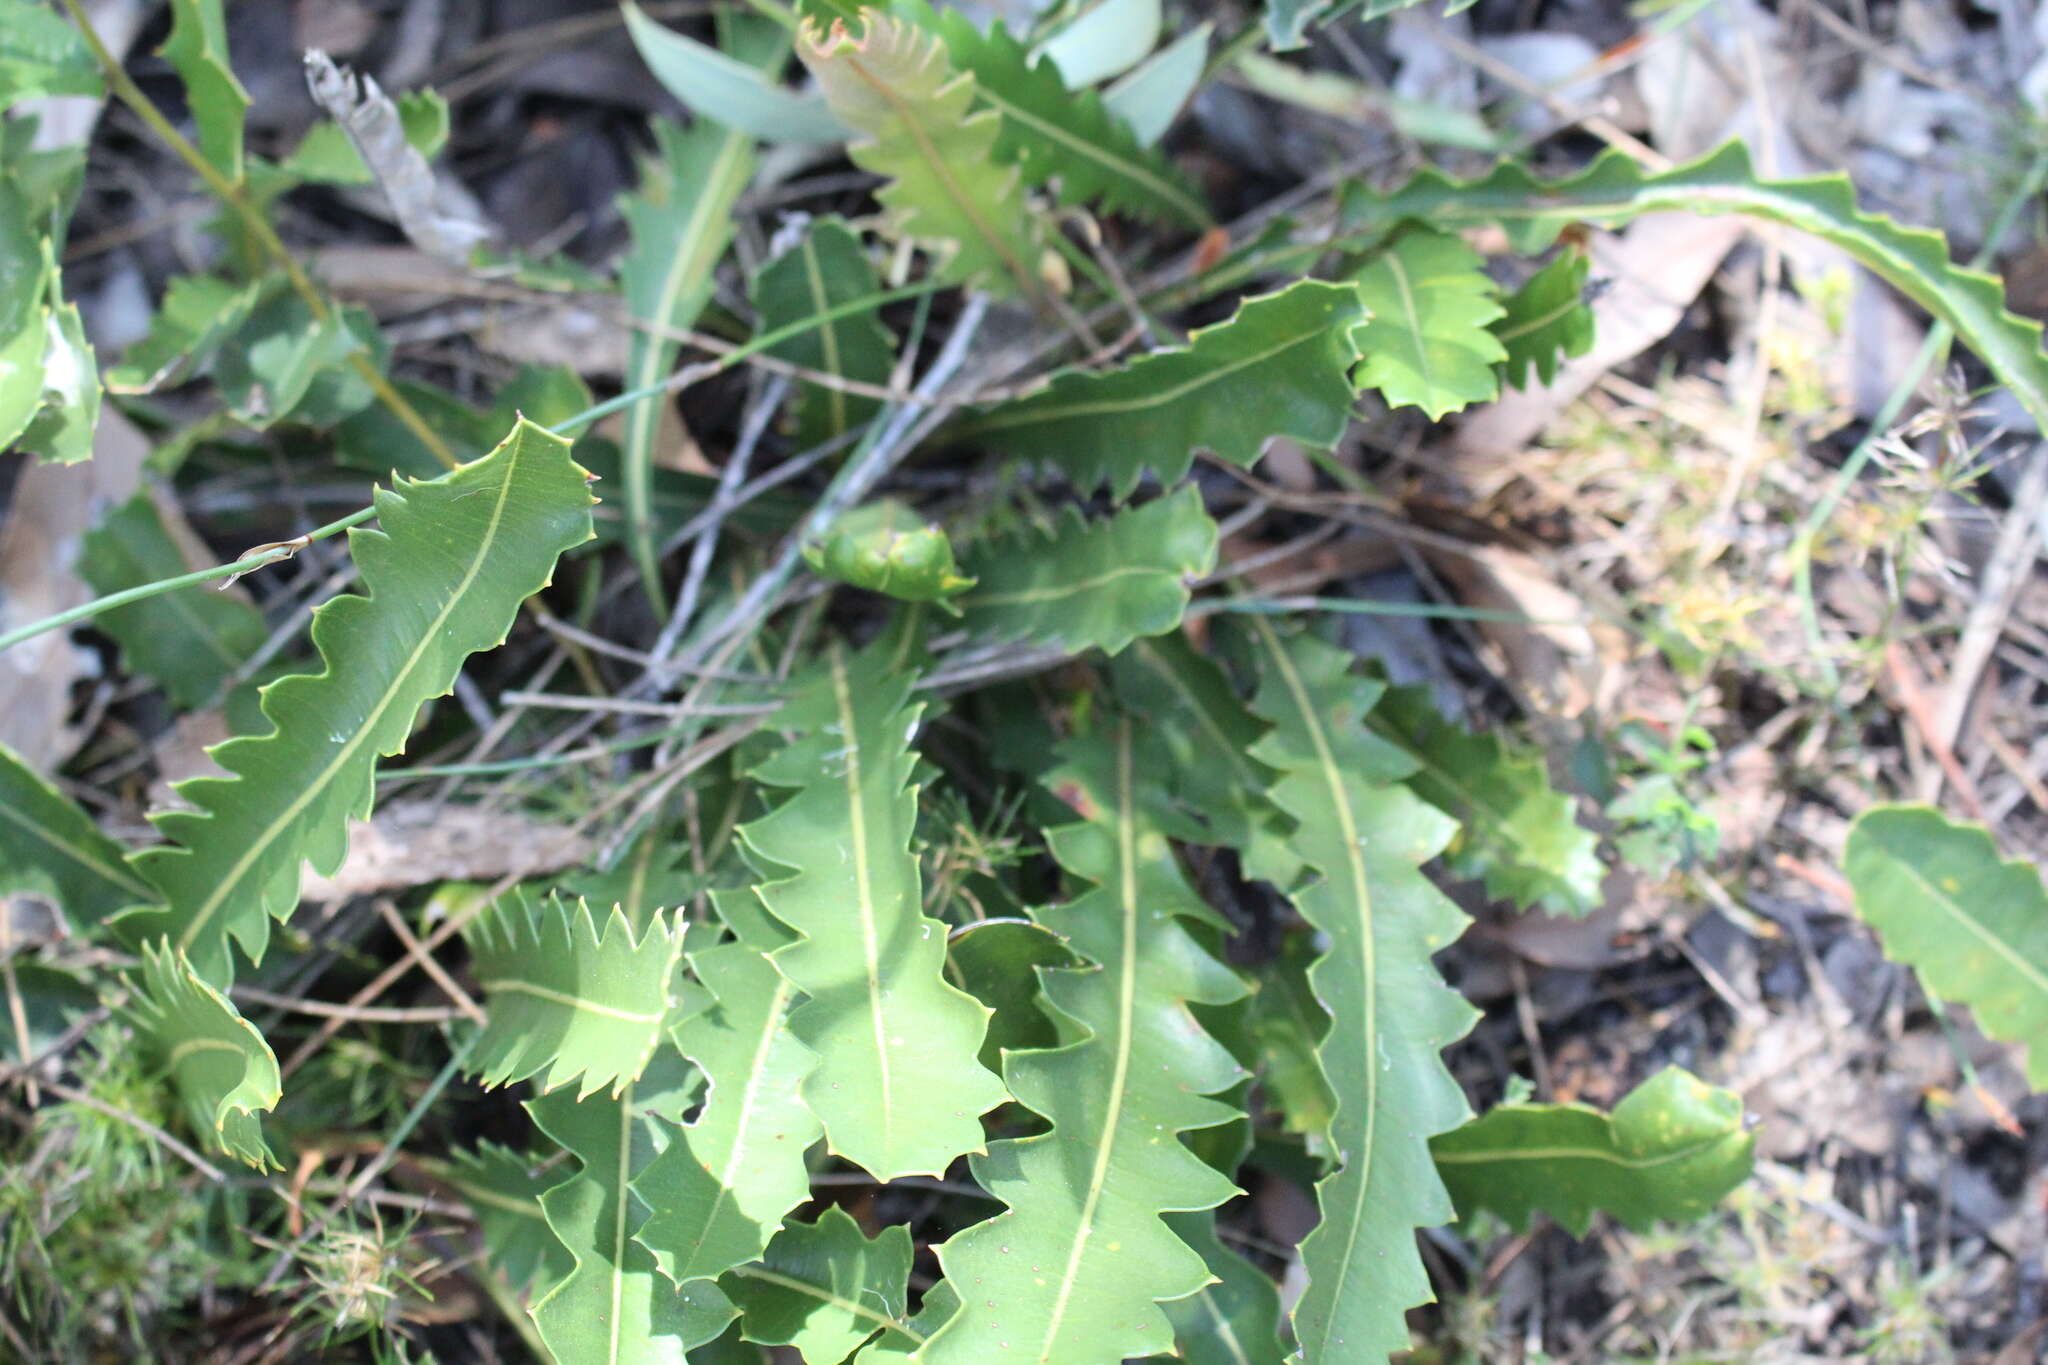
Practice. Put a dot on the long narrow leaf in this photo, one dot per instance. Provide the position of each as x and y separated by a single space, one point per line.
1614 190
681 218
1097 584
1364 836
896 1086
826 270
1671 1149
1279 367
446 572
1072 1273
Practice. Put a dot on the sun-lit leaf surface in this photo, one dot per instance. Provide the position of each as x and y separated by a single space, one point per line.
565 997
1279 366
1974 925
1614 190
1428 342
1364 836
1072 1271
1515 830
224 1072
824 270
1059 135
616 1307
445 571
198 49
503 1188
723 1186
1547 320
714 86
823 1287
896 1084
1669 1152
681 220
50 847
1092 584
891 83
189 640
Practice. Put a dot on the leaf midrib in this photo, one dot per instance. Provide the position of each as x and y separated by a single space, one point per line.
1367 949
1126 1010
857 823
109 872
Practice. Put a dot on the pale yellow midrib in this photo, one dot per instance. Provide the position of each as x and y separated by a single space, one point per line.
515 986
857 821
1127 989
1367 949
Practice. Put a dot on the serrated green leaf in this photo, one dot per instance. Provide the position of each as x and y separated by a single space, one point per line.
887 548
1672 1149
1279 367
1364 837
198 49
1093 584
825 270
1974 926
724 1184
189 639
445 574
50 847
1516 830
21 380
716 87
616 1307
581 1004
824 1288
325 155
1287 21
681 220
41 54
1547 320
891 83
1071 1273
896 1085
1614 190
223 1070
1427 342
503 1188
1056 134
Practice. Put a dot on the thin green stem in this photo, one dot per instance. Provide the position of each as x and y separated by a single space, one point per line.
247 563
259 229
